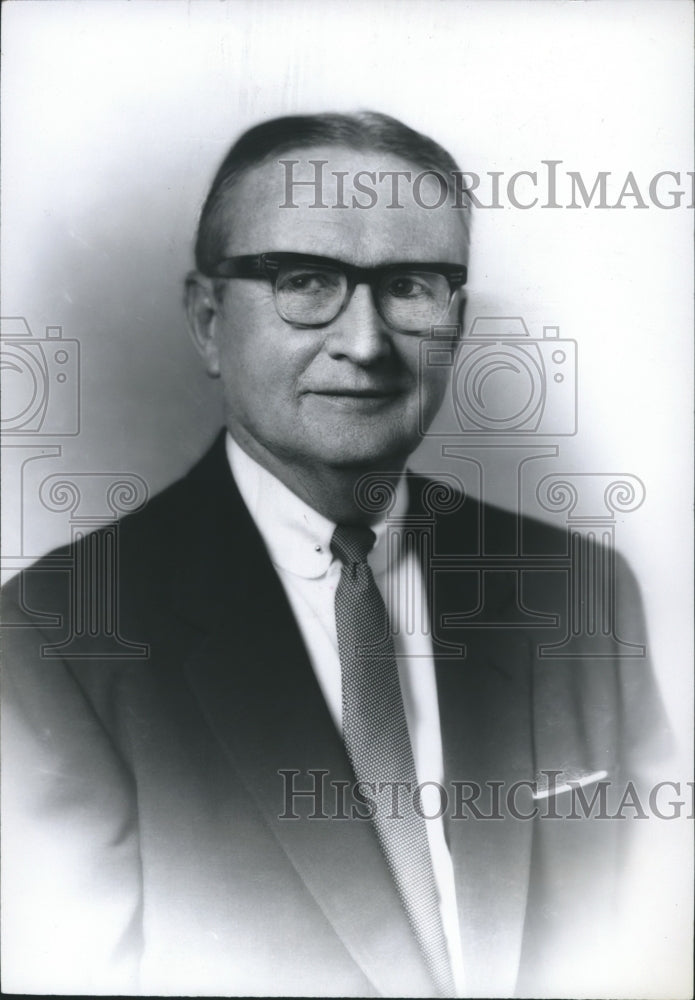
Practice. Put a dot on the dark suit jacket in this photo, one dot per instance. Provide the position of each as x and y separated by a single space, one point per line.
144 847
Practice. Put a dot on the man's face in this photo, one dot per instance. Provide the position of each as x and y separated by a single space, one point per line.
346 394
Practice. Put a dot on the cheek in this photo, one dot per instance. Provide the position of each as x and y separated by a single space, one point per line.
259 373
434 385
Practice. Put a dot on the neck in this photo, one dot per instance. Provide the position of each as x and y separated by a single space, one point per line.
336 492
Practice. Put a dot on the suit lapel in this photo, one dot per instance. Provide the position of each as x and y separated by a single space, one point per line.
486 721
254 682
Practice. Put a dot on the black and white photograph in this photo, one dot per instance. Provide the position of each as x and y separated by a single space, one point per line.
347 498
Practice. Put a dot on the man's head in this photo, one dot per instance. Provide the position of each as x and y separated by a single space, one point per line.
320 361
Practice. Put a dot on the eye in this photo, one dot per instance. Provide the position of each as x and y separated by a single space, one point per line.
307 282
408 286
304 282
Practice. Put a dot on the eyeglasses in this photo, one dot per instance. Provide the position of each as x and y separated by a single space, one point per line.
312 291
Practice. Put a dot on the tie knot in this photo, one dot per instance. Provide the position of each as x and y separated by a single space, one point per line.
352 543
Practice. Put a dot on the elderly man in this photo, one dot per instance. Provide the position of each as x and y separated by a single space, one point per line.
247 809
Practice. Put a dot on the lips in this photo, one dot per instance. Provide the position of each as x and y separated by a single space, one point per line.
371 392
348 400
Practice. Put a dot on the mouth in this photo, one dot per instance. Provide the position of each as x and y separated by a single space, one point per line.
372 392
366 399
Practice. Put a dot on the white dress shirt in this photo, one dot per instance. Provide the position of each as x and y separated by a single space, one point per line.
298 540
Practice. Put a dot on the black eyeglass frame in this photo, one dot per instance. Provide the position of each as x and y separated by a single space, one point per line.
267 266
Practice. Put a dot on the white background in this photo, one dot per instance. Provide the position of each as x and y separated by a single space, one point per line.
115 116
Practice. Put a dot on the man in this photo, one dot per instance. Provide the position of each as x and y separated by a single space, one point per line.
243 811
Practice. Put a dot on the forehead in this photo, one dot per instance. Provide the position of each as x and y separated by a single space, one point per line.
270 209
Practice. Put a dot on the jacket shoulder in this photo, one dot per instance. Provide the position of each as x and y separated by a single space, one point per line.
467 524
143 545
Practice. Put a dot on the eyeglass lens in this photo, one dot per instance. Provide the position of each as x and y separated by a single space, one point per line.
312 295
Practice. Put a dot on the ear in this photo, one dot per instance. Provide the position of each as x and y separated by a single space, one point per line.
202 311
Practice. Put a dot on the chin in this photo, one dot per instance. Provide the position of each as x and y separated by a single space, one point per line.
384 440
374 456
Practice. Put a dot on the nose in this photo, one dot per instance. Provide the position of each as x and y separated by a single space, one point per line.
359 333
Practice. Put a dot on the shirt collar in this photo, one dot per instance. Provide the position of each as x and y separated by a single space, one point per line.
297 537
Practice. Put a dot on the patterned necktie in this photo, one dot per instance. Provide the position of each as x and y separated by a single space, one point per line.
376 738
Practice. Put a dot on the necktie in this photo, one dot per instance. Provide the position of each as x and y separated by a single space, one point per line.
375 734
